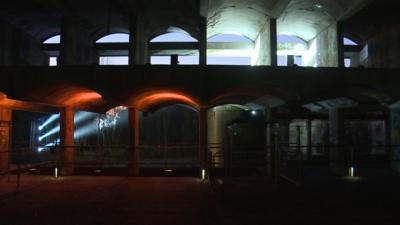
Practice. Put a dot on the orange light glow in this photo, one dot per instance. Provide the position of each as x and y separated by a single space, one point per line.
147 101
82 98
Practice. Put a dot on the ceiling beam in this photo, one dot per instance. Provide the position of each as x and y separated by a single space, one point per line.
279 8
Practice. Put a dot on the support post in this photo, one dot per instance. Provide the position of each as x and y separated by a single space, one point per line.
203 139
309 138
340 44
67 141
203 41
67 42
5 137
337 152
274 42
133 115
132 40
138 42
388 135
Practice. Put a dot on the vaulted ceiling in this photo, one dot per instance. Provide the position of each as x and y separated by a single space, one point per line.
302 18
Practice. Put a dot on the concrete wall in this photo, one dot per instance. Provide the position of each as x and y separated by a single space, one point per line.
323 49
77 48
327 47
18 48
384 48
263 46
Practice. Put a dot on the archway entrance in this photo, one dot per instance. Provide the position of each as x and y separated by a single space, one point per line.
169 141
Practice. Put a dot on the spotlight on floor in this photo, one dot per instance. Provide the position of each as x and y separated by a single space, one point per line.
351 171
203 174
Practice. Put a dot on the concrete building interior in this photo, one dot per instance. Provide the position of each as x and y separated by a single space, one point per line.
199 111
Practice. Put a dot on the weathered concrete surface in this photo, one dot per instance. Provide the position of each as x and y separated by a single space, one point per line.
327 47
206 85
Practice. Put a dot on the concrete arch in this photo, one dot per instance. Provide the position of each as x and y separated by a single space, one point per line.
146 100
242 96
172 29
71 96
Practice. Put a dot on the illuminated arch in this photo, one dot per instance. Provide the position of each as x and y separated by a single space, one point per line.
150 99
67 95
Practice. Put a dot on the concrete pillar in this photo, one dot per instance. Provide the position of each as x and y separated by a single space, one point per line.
133 115
337 152
67 42
340 44
67 142
5 138
309 137
203 41
274 42
76 45
139 43
203 139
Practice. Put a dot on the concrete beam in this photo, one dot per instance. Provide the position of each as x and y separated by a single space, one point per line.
279 8
353 9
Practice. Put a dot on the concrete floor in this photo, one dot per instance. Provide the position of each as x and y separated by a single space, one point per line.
103 200
174 200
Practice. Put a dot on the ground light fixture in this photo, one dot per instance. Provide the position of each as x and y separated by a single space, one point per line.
203 174
351 171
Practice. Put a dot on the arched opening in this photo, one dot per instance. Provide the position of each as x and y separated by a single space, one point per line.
113 49
230 49
168 133
291 50
236 139
52 47
166 145
174 47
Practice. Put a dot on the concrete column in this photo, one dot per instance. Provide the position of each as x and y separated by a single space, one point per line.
274 42
203 139
203 41
132 42
309 137
337 152
388 135
340 44
139 43
5 138
133 115
76 45
68 42
67 142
